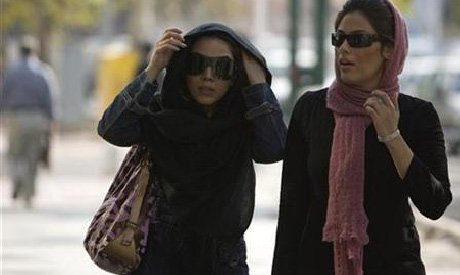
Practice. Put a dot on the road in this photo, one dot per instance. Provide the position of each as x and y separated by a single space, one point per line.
47 240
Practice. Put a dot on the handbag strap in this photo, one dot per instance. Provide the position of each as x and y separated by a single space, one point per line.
143 181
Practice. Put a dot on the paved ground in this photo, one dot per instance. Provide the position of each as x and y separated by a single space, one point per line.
47 240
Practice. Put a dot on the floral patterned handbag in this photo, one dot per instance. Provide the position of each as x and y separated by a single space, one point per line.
117 235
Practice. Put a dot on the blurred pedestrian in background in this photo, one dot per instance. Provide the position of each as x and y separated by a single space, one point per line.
28 102
355 154
214 115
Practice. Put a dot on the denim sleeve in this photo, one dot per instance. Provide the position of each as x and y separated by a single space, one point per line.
121 123
265 115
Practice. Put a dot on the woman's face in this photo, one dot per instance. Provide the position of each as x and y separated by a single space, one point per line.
207 87
361 67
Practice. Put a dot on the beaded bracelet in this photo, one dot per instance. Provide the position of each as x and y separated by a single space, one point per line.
390 137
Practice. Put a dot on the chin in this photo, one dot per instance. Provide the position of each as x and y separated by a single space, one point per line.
348 80
206 103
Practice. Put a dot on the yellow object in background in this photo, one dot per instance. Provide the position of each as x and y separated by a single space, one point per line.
117 68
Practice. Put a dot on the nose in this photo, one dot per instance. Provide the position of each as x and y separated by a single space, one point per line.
207 74
345 47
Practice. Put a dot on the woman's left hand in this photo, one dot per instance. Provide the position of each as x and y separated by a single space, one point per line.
383 112
255 72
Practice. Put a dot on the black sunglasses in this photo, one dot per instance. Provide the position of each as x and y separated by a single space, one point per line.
355 40
222 66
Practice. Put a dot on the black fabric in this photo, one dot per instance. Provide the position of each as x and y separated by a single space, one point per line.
394 246
206 169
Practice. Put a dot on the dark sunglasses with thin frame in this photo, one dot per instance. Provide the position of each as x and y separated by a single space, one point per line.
221 66
355 40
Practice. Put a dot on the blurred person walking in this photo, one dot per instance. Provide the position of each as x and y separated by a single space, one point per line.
355 153
28 102
213 117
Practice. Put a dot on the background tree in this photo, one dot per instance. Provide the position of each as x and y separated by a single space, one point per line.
187 13
403 5
44 18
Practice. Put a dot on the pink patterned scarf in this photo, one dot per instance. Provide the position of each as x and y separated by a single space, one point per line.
346 220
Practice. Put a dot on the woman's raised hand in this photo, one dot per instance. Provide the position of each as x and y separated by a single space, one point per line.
171 41
383 112
255 72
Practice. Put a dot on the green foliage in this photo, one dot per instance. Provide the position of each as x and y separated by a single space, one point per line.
403 5
28 15
455 9
199 10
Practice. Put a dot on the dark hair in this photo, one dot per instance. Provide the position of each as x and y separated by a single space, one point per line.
377 12
25 51
28 44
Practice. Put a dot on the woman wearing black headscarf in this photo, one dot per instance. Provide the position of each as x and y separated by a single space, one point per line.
214 115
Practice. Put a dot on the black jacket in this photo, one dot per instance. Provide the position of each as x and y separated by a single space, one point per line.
205 165
394 246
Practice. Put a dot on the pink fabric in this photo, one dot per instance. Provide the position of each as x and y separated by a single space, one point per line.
346 220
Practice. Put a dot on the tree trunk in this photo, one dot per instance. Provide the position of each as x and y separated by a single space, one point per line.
44 33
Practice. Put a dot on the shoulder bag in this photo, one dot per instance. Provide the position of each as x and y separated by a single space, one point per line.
117 236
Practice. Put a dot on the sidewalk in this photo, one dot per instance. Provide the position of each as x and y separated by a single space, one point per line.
47 240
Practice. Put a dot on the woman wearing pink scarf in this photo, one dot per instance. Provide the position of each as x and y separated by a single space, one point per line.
355 154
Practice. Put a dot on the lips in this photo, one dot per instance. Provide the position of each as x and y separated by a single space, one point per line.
345 62
206 90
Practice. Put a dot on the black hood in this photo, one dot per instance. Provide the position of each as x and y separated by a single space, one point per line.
205 162
212 28
174 82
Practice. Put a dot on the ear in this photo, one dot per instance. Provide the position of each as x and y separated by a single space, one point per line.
387 52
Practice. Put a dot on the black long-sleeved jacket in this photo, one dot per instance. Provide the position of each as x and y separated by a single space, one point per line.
122 121
394 246
126 122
